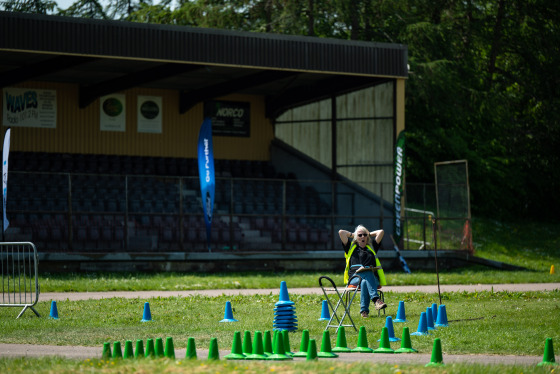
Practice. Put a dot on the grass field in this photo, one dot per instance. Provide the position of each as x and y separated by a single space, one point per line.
516 323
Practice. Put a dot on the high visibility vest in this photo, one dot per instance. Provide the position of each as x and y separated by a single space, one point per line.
380 273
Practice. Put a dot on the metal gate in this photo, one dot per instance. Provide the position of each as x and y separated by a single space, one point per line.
20 275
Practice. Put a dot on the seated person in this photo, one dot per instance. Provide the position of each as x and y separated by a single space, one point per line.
361 258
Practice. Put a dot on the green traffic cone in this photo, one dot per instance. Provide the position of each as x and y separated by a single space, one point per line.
236 352
267 343
384 345
326 350
362 342
437 358
247 344
159 348
274 339
213 353
279 352
311 350
190 354
286 339
406 345
548 357
117 350
169 348
341 345
303 345
139 351
106 351
150 350
128 349
257 353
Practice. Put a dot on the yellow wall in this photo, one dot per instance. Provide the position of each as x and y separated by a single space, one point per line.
78 130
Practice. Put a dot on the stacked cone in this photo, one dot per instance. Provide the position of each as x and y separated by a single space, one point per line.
284 311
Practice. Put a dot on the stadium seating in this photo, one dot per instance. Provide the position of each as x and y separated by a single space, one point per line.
111 202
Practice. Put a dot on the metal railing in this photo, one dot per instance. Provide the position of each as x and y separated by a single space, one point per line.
20 280
107 213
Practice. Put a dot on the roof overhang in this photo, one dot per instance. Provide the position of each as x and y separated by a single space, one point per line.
103 57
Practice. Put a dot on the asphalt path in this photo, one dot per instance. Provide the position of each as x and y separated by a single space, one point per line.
82 353
60 296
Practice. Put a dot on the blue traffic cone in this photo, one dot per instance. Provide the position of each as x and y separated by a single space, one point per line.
228 314
390 330
434 312
422 325
147 314
401 314
284 297
441 317
54 310
429 319
325 315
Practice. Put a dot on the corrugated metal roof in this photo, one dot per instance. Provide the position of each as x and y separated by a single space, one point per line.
103 57
65 35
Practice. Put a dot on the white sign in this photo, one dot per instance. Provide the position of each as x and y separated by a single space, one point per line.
28 107
112 113
149 114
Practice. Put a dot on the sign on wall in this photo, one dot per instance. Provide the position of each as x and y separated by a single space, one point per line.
112 113
229 118
149 114
28 107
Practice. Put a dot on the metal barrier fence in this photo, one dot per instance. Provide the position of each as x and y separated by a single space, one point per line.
20 275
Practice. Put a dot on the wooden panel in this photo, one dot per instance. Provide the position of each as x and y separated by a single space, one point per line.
78 130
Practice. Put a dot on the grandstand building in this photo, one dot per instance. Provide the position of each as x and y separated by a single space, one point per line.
104 119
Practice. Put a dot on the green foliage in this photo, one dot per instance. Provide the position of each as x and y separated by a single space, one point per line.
480 85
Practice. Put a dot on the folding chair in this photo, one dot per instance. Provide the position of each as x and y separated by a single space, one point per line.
345 299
